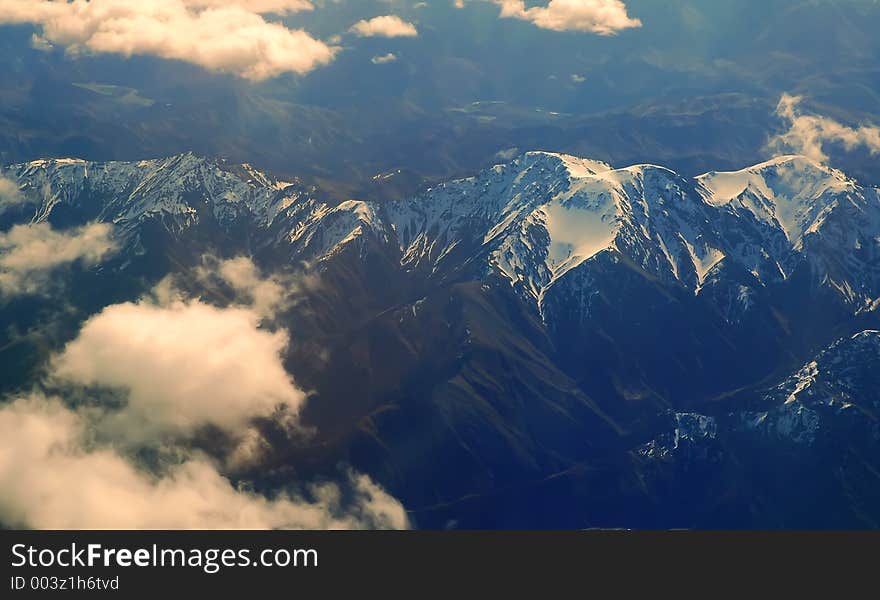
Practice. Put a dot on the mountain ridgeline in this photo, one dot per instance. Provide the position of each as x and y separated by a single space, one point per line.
552 342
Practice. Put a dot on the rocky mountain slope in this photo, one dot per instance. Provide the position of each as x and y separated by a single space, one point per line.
553 341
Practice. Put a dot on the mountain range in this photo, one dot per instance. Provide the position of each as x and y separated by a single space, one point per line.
552 342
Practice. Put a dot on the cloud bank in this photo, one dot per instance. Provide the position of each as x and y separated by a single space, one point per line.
30 253
808 134
389 26
51 477
605 17
232 37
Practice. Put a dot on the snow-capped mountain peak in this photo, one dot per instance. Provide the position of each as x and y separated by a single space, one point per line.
790 192
577 167
543 215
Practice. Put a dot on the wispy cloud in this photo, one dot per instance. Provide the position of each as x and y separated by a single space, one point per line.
384 58
232 37
29 254
10 194
265 294
809 134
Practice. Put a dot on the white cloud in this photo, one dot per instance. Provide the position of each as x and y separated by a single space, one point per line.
507 154
184 365
41 44
231 37
29 253
605 17
389 26
384 59
10 194
263 7
53 477
808 134
265 295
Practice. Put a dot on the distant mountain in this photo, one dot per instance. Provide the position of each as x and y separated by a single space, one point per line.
552 342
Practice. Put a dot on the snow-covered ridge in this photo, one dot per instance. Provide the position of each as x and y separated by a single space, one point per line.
177 191
537 220
835 394
543 215
840 385
784 191
131 190
845 374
